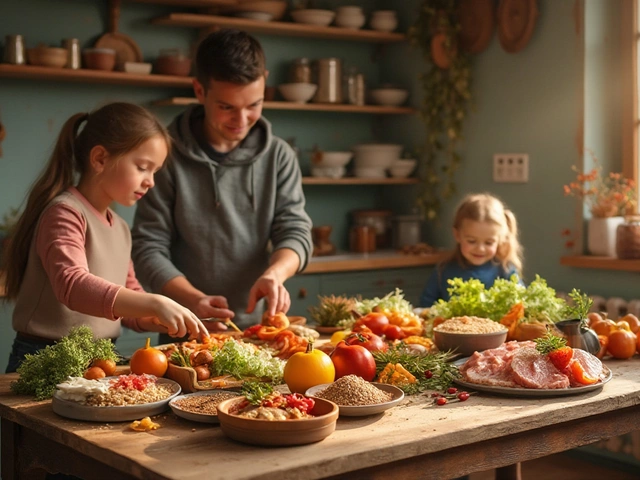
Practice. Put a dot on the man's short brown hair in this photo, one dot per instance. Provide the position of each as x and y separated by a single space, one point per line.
229 55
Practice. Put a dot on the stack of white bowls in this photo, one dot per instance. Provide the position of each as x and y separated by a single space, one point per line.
371 160
384 20
350 17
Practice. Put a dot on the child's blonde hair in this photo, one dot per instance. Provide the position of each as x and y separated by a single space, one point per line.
484 207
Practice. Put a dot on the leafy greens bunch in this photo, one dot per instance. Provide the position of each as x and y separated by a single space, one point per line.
472 298
69 357
243 360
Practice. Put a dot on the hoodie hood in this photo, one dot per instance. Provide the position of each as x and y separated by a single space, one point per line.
254 145
249 151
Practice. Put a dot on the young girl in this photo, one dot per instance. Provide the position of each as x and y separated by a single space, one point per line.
69 259
486 234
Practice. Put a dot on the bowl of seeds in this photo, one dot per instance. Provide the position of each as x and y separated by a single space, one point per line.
356 397
201 406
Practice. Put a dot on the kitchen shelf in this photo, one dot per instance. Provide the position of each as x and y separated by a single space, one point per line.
371 261
309 107
358 181
191 3
92 76
603 263
278 28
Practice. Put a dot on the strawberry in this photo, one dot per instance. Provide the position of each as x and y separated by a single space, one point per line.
561 357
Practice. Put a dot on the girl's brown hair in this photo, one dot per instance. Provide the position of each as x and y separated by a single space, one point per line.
484 207
118 127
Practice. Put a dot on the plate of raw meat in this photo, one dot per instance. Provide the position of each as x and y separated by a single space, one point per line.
518 369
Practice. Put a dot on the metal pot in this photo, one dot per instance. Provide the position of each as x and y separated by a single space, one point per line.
328 77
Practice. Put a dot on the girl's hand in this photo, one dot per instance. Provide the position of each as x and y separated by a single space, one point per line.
179 320
151 324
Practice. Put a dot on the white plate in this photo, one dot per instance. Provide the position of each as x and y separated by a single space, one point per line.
360 411
534 392
77 411
197 417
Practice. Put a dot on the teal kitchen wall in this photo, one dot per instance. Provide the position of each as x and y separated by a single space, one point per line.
530 102
540 101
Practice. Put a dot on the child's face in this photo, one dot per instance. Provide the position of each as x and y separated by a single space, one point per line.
130 176
478 241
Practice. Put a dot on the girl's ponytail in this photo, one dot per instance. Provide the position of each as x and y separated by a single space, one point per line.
58 175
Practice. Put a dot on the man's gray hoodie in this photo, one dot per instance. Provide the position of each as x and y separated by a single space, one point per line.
213 223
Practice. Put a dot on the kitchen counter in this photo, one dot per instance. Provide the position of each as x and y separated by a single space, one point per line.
413 439
371 261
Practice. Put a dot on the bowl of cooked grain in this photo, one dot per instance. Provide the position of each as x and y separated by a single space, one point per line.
356 397
465 335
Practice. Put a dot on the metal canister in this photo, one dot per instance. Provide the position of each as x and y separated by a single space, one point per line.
14 52
328 76
300 71
73 52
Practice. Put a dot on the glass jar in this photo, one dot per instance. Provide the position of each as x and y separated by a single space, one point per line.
628 238
300 71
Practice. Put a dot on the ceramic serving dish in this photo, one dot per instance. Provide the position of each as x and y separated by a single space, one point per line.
279 432
364 410
467 343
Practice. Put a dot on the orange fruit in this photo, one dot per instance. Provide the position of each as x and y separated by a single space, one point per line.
94 373
632 320
604 327
594 317
108 366
622 343
148 360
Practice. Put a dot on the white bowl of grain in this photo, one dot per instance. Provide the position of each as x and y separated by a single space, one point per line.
465 335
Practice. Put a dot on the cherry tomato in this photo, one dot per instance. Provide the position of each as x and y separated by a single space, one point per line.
394 332
353 359
374 321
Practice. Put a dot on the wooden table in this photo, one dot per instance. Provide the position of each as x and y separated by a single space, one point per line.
412 440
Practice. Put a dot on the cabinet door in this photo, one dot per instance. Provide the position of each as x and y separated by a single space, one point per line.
304 291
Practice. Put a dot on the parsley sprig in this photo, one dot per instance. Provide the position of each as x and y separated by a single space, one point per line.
69 357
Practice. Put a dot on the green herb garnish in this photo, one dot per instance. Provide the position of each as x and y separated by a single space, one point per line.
441 372
256 391
580 306
69 357
549 343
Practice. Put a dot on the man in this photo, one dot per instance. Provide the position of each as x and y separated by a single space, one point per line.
227 213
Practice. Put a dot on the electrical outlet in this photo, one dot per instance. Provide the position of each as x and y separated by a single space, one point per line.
511 167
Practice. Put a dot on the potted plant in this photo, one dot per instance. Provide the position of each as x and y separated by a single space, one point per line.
575 327
447 96
609 198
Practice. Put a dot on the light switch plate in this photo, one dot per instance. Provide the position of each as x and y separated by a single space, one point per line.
511 167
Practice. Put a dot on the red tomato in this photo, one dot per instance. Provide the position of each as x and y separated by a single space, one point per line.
368 340
374 321
353 359
394 332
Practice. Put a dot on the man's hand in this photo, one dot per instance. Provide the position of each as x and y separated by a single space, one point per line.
215 306
278 299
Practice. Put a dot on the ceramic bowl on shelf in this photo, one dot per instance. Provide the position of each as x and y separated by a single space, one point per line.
376 155
332 159
403 167
384 20
99 58
297 92
350 17
369 172
278 432
313 16
47 56
138 68
328 172
390 97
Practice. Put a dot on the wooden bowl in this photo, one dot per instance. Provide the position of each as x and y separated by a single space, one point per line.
467 343
279 432
47 56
